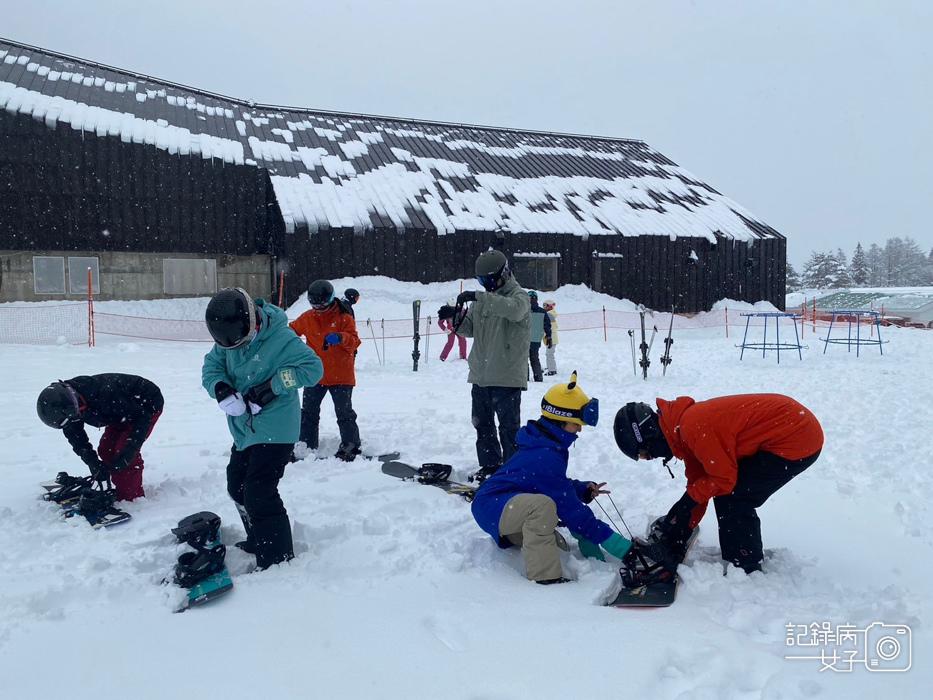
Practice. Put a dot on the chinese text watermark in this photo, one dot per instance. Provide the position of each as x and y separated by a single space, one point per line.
879 647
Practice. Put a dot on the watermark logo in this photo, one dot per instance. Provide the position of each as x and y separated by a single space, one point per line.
879 647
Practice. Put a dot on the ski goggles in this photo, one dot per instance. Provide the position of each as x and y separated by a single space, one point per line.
588 413
488 282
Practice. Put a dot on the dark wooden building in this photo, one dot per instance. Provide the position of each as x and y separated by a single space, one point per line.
99 163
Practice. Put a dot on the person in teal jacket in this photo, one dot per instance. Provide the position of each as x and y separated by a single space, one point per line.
254 372
523 502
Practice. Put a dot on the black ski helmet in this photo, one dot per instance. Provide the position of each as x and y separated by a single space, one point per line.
533 296
638 432
320 293
491 266
231 318
57 405
352 296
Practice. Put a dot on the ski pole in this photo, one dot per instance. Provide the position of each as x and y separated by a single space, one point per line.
427 342
654 332
375 344
631 337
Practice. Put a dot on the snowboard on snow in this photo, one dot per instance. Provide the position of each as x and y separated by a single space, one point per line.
386 457
203 571
66 491
430 474
207 590
653 595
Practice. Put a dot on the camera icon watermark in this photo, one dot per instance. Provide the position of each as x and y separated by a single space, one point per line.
880 647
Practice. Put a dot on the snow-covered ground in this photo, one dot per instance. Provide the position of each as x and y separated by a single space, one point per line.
396 593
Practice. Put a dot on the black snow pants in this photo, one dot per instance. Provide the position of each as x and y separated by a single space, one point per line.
311 400
534 357
739 527
253 476
490 402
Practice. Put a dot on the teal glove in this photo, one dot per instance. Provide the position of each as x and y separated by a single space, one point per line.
617 545
588 549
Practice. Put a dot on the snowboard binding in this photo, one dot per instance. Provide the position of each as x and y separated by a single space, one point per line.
67 488
202 532
638 570
434 472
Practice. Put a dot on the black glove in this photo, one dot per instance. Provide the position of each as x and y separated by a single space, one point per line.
464 297
677 521
547 342
222 390
260 396
99 471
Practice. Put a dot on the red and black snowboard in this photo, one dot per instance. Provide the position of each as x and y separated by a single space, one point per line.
653 595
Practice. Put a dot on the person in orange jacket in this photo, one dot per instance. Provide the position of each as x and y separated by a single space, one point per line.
330 330
737 451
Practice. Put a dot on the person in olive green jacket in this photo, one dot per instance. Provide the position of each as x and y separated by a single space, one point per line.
254 372
499 321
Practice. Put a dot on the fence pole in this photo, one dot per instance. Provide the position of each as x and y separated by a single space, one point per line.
803 315
605 331
813 317
281 287
90 310
727 321
427 342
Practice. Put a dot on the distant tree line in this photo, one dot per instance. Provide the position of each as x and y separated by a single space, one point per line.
900 263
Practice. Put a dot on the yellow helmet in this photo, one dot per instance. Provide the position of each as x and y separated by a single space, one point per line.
568 403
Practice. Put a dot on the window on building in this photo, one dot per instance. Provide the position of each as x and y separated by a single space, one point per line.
536 273
77 275
48 274
607 275
189 277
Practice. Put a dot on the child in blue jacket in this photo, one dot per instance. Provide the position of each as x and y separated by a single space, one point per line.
521 504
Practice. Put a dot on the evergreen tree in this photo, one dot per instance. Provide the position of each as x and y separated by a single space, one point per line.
841 272
793 279
905 262
819 271
877 266
858 270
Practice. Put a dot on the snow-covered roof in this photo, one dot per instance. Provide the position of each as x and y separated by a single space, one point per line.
363 172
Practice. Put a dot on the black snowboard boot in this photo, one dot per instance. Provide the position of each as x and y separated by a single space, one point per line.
248 545
273 541
347 451
483 473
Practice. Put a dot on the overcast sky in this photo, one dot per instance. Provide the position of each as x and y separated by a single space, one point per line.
815 115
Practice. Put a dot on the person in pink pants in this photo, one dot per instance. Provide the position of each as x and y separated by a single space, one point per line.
446 323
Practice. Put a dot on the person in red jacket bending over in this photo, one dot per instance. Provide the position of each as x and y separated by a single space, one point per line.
737 451
330 330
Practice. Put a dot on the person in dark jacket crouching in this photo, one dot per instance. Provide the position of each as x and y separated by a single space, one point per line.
521 504
126 406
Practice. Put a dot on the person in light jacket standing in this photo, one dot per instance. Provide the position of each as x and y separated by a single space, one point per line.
254 372
499 321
